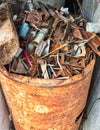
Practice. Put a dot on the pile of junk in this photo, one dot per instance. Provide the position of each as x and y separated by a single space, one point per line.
48 51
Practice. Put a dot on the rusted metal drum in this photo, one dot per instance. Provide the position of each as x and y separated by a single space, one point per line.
39 104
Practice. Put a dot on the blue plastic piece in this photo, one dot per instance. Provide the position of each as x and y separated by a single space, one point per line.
24 29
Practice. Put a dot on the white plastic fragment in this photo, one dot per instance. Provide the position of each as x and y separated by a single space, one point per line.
93 27
14 17
64 10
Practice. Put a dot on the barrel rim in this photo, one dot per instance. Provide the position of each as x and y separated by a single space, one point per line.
38 82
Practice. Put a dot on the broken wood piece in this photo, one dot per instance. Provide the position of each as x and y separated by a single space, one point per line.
44 70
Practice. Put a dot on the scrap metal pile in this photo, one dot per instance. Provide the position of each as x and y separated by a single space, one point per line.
53 44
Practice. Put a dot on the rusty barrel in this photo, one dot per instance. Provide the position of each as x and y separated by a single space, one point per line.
39 104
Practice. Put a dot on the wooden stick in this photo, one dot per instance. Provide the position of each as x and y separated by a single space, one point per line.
56 49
